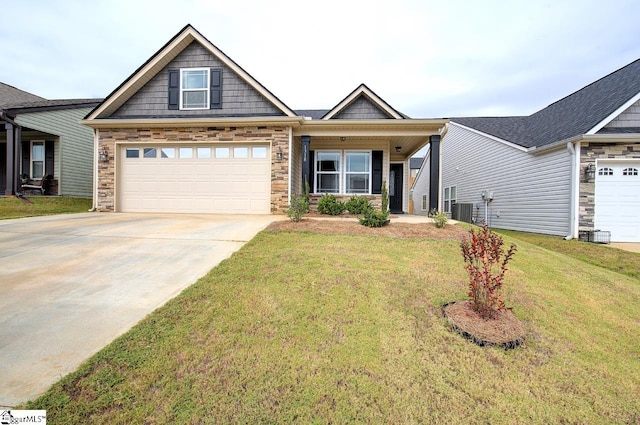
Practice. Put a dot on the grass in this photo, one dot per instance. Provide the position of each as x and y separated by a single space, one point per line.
307 328
614 259
12 207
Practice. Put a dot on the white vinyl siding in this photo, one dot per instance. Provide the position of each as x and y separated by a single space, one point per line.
530 192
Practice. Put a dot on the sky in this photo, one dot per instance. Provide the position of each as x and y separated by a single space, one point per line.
427 59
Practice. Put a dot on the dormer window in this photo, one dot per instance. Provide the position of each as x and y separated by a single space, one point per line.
195 88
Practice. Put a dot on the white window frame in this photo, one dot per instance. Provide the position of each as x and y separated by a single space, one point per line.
206 89
346 173
32 161
448 199
342 170
425 203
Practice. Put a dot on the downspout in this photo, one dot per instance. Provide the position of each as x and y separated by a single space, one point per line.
96 153
572 210
290 160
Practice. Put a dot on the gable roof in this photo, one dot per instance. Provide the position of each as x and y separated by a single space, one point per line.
363 91
585 111
164 56
10 96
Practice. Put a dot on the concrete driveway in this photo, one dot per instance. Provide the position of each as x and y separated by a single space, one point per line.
70 284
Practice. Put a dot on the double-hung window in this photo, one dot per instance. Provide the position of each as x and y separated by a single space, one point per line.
352 178
449 198
328 171
357 172
37 160
194 88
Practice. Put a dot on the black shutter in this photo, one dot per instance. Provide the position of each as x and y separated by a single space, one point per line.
312 170
216 88
48 157
26 156
174 89
376 178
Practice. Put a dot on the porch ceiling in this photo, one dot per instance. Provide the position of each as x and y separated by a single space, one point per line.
409 135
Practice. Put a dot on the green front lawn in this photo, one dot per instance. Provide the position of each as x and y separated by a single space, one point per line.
308 328
12 207
617 260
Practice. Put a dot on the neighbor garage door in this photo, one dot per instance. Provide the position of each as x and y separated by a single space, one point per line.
195 179
617 199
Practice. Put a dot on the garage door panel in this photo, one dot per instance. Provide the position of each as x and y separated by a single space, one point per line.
617 200
213 185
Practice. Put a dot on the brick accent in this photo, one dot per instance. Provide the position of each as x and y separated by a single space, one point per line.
278 136
589 152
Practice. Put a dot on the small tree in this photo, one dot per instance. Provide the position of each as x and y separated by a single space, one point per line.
385 197
482 253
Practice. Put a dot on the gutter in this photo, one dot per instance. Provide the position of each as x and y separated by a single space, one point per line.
575 153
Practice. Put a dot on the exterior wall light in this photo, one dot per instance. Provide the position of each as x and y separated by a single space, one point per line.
279 154
398 149
590 172
104 155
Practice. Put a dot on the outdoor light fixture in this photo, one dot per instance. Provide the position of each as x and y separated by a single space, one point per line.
590 171
104 155
343 139
398 148
279 154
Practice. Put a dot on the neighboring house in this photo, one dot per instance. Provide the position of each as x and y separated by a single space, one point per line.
572 167
421 188
414 167
192 131
39 138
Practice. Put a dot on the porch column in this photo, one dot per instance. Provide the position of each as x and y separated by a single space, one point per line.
434 176
306 166
10 160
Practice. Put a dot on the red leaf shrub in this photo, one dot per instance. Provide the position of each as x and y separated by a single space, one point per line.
482 252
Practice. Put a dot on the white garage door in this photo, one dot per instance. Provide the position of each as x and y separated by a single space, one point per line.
617 199
195 179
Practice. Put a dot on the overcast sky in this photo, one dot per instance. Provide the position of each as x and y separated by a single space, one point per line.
427 58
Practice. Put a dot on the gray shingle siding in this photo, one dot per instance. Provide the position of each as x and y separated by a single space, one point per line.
361 109
238 97
531 192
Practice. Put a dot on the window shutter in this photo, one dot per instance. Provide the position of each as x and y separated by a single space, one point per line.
312 171
376 178
26 156
216 88
48 157
174 89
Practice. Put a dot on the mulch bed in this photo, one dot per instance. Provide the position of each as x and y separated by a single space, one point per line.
505 330
352 226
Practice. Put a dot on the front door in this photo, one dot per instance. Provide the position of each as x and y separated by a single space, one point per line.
395 188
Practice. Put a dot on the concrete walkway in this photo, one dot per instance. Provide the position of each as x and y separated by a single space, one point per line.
627 246
70 284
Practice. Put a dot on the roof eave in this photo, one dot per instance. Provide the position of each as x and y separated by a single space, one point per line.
191 122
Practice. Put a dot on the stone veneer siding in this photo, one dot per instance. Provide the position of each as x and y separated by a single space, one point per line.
278 136
589 152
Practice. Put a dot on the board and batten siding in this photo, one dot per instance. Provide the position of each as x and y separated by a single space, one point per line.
531 193
73 156
629 118
361 108
238 97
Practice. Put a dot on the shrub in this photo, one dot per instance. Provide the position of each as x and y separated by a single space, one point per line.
385 197
298 207
482 252
373 218
329 204
439 218
358 205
